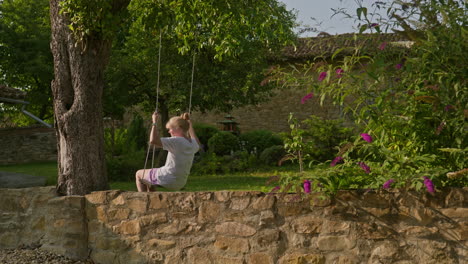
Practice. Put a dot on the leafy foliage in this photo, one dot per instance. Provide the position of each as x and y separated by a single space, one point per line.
272 155
204 132
258 140
411 101
26 61
223 143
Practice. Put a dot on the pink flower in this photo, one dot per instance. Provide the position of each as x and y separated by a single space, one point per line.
336 161
429 184
322 76
364 167
388 184
448 108
398 66
339 72
306 186
374 25
382 46
306 97
366 137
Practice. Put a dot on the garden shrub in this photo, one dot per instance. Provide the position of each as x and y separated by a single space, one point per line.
223 143
258 140
325 135
210 163
124 167
409 106
136 133
204 133
272 155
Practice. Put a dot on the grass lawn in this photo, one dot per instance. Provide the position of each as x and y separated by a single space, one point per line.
247 181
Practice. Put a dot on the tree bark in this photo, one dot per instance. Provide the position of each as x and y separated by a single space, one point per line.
77 93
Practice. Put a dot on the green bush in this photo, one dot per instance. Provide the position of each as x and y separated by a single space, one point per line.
136 133
272 155
204 133
259 140
210 163
223 143
124 167
115 141
325 135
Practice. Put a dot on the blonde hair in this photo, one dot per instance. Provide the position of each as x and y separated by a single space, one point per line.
179 122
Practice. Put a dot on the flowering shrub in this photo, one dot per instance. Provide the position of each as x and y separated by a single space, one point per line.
412 103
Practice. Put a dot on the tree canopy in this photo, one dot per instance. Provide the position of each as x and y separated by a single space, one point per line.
26 61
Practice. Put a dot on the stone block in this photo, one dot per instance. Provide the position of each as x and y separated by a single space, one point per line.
131 227
457 197
260 258
235 229
101 213
161 244
419 231
334 227
385 252
138 205
200 255
132 257
307 225
222 196
232 244
103 256
292 209
264 202
118 214
455 212
210 211
266 238
173 228
151 219
240 203
335 243
347 259
266 217
158 201
302 258
97 197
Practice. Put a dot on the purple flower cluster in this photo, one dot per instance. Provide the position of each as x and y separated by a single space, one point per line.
364 167
339 72
388 184
306 97
429 184
322 76
366 137
336 161
306 186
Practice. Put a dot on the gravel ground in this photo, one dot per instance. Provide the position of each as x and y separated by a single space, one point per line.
35 256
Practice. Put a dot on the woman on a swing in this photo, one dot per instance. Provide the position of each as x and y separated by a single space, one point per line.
181 147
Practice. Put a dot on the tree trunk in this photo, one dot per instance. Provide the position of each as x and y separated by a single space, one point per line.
77 92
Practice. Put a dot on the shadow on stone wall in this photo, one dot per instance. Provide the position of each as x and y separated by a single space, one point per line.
239 227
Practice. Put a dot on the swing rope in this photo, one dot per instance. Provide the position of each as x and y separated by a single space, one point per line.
157 100
156 109
159 70
191 83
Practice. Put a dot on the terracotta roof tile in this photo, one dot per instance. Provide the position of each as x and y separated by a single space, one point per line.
326 46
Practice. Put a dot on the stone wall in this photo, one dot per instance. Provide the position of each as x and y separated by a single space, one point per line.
239 227
23 145
273 114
